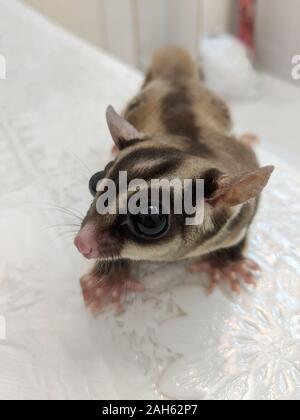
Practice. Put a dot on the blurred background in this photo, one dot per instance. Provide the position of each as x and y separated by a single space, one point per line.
132 29
249 51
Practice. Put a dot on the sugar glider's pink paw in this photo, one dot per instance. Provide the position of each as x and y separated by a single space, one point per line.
249 139
100 292
233 273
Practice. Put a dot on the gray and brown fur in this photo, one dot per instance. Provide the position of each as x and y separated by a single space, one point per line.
185 132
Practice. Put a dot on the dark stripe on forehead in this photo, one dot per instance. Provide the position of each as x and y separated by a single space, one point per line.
148 162
155 169
179 119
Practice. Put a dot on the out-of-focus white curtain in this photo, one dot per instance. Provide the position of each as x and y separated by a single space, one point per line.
133 29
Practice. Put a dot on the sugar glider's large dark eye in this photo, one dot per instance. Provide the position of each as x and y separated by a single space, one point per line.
152 225
94 182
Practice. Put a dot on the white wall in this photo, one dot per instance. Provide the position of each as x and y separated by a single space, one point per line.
162 22
129 29
217 16
184 22
120 28
278 35
87 23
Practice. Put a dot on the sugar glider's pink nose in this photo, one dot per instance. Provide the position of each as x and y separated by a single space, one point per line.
86 243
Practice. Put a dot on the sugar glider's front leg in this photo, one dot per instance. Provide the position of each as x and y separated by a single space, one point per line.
101 289
230 266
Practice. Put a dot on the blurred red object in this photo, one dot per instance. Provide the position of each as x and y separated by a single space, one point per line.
247 9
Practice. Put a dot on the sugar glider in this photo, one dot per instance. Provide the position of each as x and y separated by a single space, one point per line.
174 127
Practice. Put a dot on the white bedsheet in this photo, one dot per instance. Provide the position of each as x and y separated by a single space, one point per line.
173 340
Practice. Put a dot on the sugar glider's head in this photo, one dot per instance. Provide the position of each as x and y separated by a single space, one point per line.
141 208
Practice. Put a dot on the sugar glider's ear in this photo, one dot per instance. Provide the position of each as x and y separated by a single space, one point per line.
121 130
231 191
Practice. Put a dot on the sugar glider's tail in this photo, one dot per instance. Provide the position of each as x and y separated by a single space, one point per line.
173 64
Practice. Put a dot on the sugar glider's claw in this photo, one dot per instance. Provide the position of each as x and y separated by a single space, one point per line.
99 292
233 273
